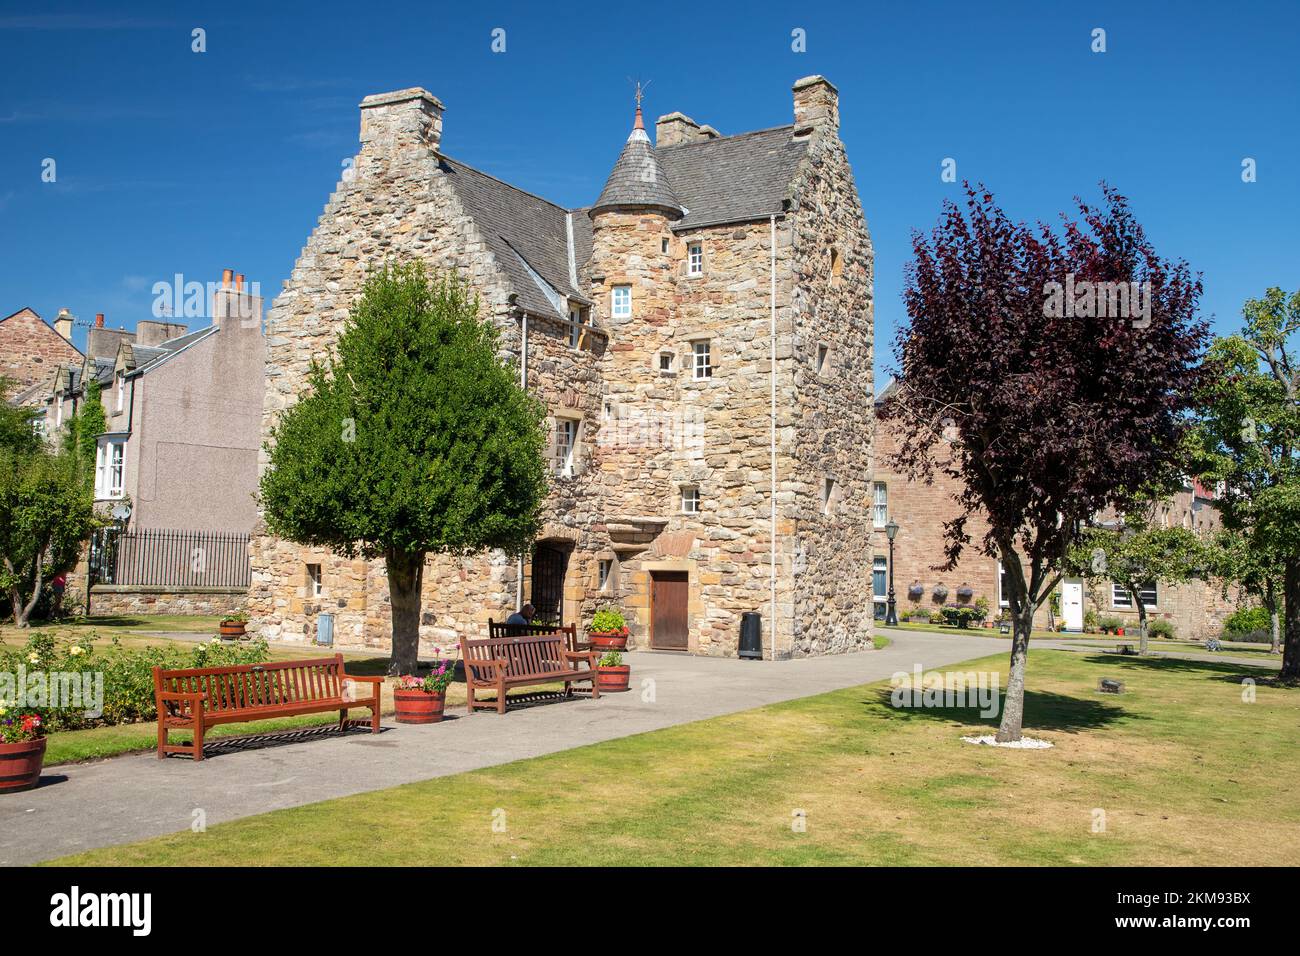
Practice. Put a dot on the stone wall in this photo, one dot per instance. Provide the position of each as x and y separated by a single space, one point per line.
133 599
30 351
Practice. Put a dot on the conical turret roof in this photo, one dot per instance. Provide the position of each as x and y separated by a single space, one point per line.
638 180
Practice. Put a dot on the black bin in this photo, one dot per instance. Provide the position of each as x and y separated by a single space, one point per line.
751 636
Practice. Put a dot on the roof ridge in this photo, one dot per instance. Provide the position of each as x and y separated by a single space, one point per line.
718 139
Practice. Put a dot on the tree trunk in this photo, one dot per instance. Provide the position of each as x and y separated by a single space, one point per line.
1291 599
405 578
1274 618
1013 706
1142 624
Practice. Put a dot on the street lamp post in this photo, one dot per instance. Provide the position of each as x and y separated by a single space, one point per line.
891 615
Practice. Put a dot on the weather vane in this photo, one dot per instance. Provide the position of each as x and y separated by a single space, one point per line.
640 90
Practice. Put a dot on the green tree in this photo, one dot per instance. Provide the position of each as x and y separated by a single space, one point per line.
16 431
46 515
414 439
1136 555
1249 439
1236 560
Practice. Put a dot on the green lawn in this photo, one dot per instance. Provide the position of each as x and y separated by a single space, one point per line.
1185 771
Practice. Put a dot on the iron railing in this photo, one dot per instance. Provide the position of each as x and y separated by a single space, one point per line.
166 558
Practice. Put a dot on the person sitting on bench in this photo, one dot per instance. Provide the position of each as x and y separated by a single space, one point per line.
522 617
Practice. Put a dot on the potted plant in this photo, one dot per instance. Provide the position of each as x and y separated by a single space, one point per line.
22 748
608 631
612 674
421 700
232 626
982 605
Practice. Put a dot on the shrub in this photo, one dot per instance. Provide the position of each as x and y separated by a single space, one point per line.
611 659
1161 628
1090 621
127 672
1247 620
1111 624
961 615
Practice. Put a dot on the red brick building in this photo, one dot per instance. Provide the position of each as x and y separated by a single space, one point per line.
31 349
1196 609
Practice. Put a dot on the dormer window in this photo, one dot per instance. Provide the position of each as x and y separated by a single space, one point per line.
121 390
621 302
695 259
578 316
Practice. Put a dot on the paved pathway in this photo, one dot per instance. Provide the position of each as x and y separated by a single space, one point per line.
128 798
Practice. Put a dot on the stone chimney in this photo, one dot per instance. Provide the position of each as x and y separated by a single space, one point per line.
816 106
154 331
102 342
677 128
392 122
234 306
63 324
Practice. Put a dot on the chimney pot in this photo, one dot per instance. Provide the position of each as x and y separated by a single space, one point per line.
225 278
99 320
239 282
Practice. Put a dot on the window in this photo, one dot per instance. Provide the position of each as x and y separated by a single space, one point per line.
58 409
663 246
110 467
566 440
666 361
38 425
1004 592
690 500
622 302
604 570
1121 598
702 366
880 511
823 353
121 390
879 577
314 588
575 330
695 259
828 495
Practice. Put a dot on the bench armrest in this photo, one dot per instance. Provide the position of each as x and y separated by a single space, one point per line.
194 698
589 656
499 663
369 680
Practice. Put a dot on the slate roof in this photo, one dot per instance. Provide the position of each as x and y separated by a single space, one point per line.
523 231
147 357
733 178
638 179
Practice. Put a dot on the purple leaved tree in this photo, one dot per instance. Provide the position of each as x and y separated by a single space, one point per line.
1051 372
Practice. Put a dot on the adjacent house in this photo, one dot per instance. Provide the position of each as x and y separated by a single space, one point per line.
1196 609
702 336
30 350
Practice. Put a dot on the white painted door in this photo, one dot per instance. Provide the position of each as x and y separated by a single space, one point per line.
1072 604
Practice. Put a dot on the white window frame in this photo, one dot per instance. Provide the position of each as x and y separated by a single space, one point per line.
620 302
1121 599
1003 600
604 573
110 468
690 499
695 259
566 444
879 505
58 409
879 563
121 390
701 359
575 330
315 582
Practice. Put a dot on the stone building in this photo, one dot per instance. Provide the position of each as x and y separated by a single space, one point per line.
30 351
1196 609
702 336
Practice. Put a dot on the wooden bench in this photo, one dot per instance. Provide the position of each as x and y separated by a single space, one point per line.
519 660
203 697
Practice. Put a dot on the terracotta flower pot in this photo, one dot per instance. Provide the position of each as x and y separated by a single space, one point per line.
232 632
20 765
608 640
417 707
611 680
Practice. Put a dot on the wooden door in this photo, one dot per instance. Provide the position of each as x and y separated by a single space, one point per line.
669 624
549 565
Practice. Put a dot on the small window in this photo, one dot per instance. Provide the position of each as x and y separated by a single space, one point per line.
110 469
1122 598
604 571
314 588
121 391
575 330
690 500
880 509
828 495
621 307
566 440
1004 589
663 246
667 360
879 576
702 364
58 409
823 353
695 259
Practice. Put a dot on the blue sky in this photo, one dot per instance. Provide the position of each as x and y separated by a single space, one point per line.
171 161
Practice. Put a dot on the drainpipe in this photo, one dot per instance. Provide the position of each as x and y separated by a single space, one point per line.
523 383
772 442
